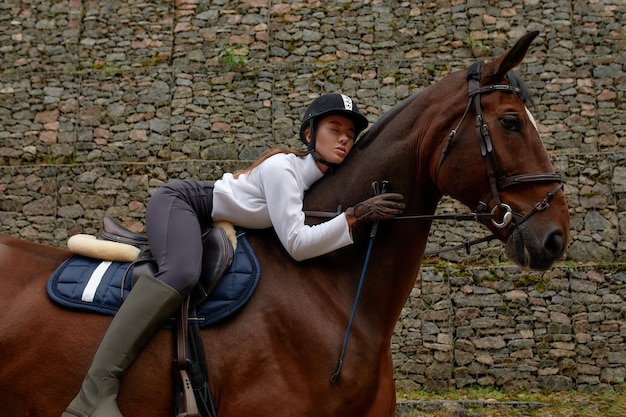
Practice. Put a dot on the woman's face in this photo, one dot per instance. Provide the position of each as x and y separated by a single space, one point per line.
334 139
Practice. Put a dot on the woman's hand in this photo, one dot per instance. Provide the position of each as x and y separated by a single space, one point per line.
377 208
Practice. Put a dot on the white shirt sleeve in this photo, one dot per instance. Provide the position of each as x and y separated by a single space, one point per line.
284 192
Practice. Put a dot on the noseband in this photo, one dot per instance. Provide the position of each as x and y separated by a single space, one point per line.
496 183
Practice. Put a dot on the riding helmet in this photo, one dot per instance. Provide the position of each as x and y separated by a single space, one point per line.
331 104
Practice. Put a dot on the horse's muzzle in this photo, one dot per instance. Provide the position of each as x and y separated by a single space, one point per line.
535 249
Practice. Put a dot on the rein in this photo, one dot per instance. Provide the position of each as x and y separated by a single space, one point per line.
478 217
458 217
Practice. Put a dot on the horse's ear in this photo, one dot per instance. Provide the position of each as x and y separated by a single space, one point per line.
496 70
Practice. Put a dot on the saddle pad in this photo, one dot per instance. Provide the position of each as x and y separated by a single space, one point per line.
100 286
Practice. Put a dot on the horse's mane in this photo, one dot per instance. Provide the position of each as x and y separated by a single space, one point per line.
517 82
384 119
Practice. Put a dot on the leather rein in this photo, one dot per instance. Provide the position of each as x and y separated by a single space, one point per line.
496 182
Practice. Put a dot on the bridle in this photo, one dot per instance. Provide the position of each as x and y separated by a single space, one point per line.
497 182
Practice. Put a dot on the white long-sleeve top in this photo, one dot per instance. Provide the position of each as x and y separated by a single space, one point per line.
271 195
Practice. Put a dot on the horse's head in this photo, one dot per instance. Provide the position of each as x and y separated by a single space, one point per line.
429 145
494 161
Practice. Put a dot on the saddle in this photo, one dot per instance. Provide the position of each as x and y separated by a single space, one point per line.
217 255
192 393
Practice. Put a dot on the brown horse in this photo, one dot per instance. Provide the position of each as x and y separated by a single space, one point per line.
277 356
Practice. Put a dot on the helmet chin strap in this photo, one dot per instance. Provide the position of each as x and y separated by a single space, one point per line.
311 147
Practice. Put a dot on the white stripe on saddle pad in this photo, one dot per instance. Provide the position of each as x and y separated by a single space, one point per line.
94 281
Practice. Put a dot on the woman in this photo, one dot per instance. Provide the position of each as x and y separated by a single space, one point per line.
268 194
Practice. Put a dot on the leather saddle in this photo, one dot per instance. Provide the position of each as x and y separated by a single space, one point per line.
217 255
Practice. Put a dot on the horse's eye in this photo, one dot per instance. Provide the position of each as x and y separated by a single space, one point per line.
511 122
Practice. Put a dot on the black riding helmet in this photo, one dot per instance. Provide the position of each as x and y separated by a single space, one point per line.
327 105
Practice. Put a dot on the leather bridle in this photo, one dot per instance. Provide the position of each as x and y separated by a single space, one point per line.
497 182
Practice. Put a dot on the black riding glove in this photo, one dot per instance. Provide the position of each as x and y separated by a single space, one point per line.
377 208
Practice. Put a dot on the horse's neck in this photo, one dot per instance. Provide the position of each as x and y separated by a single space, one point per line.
399 245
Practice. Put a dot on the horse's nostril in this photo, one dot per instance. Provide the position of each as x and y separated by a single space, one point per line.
554 244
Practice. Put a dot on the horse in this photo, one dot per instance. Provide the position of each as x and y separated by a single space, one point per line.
288 352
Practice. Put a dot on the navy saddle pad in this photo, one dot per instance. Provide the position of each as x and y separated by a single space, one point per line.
100 286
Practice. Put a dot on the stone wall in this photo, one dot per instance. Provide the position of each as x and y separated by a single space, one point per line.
101 102
504 328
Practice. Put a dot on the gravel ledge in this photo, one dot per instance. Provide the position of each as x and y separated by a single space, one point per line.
460 408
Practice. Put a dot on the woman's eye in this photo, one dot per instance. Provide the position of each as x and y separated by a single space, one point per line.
511 123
